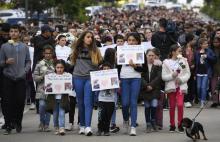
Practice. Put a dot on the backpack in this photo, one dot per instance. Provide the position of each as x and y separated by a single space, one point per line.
171 26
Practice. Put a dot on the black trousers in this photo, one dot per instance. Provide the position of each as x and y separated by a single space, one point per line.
13 100
104 116
189 97
1 91
30 91
72 109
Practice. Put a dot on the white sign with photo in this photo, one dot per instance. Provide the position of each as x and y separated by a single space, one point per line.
130 52
58 84
146 45
104 79
104 48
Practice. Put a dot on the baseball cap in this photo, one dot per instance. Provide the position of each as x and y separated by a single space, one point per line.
46 28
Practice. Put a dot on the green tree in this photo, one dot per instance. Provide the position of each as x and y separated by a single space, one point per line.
189 1
75 9
35 5
211 8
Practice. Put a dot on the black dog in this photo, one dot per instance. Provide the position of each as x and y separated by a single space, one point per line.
192 129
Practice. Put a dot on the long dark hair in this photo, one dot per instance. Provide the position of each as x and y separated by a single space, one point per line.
62 62
136 36
173 48
93 50
110 56
152 50
216 38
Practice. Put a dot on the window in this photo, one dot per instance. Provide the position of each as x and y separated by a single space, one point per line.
5 14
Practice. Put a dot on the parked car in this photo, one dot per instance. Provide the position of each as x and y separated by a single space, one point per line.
151 3
130 6
13 21
11 13
91 10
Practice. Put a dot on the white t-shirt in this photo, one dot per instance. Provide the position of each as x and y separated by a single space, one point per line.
62 52
58 96
149 69
147 45
73 94
107 95
31 52
129 72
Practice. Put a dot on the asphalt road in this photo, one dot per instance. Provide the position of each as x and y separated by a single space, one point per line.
210 118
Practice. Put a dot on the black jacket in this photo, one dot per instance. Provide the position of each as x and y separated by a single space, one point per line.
154 81
39 42
163 41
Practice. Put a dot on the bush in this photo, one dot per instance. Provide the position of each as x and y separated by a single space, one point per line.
212 10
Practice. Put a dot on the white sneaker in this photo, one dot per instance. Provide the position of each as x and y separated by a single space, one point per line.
188 104
69 127
133 131
88 131
62 131
81 130
32 107
126 125
56 131
202 104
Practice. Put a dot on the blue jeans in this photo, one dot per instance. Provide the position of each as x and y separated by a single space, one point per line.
58 115
150 110
130 91
96 96
202 86
113 119
84 97
151 103
44 116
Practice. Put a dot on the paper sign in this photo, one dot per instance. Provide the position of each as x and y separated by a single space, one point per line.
58 84
130 52
103 49
104 79
146 45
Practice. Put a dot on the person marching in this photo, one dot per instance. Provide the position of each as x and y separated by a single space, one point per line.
106 105
59 103
175 73
85 57
151 80
44 67
15 62
130 85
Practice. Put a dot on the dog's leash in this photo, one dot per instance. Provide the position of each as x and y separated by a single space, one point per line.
194 119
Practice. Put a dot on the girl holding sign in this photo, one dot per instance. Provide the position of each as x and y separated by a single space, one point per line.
59 103
106 105
130 85
110 57
86 57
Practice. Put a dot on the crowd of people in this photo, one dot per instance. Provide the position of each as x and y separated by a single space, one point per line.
182 67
